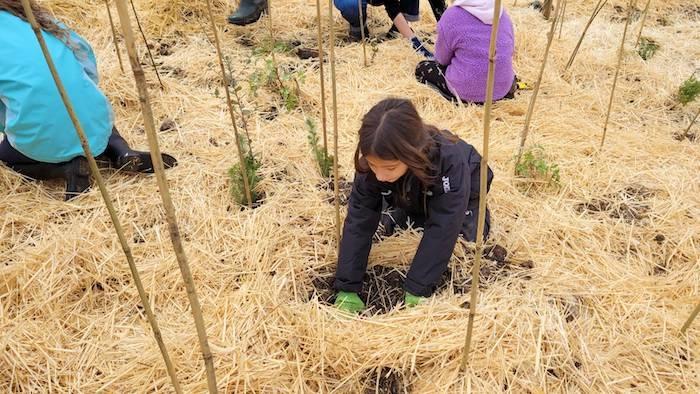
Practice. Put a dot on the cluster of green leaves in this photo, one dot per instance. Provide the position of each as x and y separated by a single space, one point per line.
534 166
237 185
267 46
689 90
324 160
647 48
285 82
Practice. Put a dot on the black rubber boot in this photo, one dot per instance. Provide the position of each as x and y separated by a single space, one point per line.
77 175
355 34
249 11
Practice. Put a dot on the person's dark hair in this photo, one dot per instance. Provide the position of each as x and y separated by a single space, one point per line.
43 17
393 130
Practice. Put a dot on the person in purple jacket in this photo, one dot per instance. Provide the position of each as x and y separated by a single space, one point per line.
461 61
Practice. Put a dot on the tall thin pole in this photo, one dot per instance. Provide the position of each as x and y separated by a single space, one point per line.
232 114
644 19
483 185
690 320
533 99
620 55
687 131
335 122
561 16
323 80
105 196
114 35
362 32
165 194
145 42
599 6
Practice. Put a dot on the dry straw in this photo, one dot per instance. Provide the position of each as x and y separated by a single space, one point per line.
94 170
476 268
173 227
596 10
620 56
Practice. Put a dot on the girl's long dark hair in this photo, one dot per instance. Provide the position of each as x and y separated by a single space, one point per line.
393 130
43 17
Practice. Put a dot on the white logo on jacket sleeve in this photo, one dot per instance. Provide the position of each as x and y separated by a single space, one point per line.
446 184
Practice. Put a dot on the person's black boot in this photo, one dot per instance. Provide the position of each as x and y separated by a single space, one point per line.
249 11
136 161
77 175
355 34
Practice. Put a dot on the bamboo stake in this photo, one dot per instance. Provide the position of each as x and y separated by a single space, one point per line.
165 194
145 42
323 79
561 16
114 36
232 114
547 9
105 196
533 99
362 32
596 11
620 55
641 27
483 185
335 122
690 320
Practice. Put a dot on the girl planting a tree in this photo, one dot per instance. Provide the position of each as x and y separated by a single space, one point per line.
408 171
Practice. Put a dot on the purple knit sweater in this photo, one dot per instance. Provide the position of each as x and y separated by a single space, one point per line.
463 46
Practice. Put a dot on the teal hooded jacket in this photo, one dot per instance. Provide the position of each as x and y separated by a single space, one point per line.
32 115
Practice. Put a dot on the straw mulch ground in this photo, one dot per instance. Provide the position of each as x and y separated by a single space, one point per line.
601 273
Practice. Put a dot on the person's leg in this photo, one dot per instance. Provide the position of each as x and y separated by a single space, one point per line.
76 172
350 11
410 10
249 11
438 7
432 74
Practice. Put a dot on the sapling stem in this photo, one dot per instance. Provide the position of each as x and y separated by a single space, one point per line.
322 78
336 184
94 170
362 32
168 205
596 11
641 27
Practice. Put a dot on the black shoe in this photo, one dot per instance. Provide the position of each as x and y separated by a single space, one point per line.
355 34
140 162
77 175
249 11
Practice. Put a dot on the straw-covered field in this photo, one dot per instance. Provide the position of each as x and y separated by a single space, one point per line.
601 271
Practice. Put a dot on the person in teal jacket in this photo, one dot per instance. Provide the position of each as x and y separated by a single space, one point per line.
40 141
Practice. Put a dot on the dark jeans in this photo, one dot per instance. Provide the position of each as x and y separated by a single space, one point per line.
350 9
39 170
432 74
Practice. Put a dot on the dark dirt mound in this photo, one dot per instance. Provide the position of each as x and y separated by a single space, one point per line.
629 204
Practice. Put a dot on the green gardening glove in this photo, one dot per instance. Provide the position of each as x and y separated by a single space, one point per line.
413 300
349 302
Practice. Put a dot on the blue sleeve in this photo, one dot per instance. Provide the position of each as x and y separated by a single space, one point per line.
3 114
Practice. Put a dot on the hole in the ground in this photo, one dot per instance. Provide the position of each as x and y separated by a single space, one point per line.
384 380
629 204
344 187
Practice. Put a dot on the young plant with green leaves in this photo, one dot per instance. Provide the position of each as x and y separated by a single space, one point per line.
324 160
689 90
647 48
236 182
535 168
285 82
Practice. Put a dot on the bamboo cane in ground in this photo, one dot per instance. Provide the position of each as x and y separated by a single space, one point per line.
114 35
599 6
547 9
687 131
225 81
335 121
483 186
620 55
561 16
362 32
644 19
535 92
322 78
165 194
105 196
690 320
145 42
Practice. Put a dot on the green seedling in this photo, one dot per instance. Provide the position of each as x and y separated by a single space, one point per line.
236 184
533 166
689 90
324 160
647 48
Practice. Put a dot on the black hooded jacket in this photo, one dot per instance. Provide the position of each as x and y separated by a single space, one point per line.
448 208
